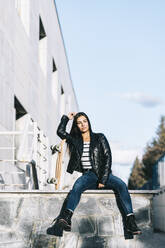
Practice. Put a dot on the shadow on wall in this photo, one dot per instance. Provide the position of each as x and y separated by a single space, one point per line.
45 241
85 235
93 228
95 241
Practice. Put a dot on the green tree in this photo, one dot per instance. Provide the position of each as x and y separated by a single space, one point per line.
154 150
137 177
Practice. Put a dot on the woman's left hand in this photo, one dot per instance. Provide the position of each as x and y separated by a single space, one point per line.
101 185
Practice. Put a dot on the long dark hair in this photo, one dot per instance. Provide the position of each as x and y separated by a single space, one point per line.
75 131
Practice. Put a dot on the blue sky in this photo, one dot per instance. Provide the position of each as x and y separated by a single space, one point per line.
116 53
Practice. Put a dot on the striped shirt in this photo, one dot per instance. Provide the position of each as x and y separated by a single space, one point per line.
85 159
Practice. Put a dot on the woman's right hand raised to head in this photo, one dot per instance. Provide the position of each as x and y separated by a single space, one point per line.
71 115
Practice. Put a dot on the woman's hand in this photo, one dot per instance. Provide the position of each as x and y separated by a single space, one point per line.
101 185
71 115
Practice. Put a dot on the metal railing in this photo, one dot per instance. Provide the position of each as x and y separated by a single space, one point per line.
29 157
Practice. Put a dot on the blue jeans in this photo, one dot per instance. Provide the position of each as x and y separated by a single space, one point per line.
90 181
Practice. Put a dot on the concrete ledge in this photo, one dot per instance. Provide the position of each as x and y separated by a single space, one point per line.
160 191
25 216
150 192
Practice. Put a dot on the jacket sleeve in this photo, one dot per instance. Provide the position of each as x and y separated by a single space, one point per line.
61 130
107 160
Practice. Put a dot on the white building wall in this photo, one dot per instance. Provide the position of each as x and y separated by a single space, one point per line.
161 171
159 210
24 75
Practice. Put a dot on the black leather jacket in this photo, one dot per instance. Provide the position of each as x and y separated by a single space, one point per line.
100 152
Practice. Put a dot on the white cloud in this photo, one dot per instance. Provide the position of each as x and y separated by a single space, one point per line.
143 99
124 156
122 160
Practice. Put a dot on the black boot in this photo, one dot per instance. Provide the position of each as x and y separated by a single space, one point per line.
65 220
131 225
57 229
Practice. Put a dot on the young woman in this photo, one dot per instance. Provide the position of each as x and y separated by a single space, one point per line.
90 154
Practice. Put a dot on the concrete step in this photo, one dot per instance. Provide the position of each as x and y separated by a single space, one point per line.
12 177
